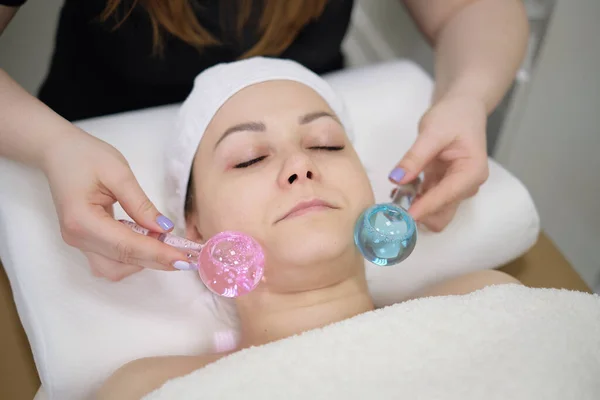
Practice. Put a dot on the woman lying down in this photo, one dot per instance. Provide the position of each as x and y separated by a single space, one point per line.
273 136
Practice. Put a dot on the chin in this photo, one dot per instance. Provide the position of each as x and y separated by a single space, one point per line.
306 243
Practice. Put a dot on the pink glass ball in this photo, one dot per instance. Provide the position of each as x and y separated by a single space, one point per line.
231 264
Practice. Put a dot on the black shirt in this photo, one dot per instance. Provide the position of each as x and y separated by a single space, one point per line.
98 70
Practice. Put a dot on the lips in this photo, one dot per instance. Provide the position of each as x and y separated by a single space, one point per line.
305 207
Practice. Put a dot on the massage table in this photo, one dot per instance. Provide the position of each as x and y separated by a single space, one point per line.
498 228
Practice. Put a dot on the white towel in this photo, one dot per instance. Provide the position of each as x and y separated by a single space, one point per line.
502 342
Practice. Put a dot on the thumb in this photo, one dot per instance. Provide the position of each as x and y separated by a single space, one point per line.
424 149
137 205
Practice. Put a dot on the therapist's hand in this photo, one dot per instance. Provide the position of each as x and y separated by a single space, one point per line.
87 176
451 151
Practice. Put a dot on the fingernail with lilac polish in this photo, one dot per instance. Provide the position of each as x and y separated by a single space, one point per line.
164 222
183 266
397 174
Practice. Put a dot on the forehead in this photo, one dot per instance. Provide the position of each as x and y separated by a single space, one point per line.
267 100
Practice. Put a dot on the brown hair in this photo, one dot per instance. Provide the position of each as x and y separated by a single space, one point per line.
188 205
279 23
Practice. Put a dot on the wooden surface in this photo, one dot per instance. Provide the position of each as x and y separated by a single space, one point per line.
542 266
18 376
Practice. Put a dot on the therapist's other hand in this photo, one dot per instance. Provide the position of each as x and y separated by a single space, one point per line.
451 151
87 176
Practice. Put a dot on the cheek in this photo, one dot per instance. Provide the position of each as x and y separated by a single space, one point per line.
366 195
233 209
353 181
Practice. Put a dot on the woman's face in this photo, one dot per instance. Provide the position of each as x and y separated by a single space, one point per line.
276 164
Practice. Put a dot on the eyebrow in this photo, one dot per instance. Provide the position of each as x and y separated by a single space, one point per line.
261 127
310 117
245 127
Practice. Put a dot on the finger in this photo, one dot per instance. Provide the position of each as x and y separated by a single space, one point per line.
112 239
136 204
430 180
473 192
439 221
454 187
425 148
102 267
109 269
95 271
110 210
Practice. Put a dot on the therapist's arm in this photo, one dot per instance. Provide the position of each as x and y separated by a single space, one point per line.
86 176
28 128
479 45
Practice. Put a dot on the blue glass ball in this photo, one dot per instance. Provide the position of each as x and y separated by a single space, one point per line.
385 234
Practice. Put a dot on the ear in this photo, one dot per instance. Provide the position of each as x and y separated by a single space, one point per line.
191 229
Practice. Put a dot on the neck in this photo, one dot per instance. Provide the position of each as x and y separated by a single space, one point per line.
266 316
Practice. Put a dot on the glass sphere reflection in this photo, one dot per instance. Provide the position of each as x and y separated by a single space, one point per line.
385 234
231 264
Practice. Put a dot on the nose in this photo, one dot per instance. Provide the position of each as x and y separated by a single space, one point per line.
297 169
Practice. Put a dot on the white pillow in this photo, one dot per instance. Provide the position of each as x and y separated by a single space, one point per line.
82 328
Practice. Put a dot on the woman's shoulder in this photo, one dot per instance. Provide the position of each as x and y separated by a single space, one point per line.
140 377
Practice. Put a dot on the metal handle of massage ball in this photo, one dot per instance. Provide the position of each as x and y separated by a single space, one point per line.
385 233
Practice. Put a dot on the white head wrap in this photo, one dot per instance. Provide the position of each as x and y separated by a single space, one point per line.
212 88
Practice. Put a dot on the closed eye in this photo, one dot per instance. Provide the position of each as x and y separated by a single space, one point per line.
246 164
327 148
249 163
